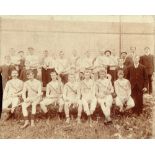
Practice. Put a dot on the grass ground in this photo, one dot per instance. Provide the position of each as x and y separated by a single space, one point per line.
127 126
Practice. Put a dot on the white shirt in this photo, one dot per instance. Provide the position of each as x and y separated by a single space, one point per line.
110 61
62 65
13 87
54 89
86 62
100 60
122 88
49 62
32 61
15 60
33 88
70 90
87 88
73 61
104 87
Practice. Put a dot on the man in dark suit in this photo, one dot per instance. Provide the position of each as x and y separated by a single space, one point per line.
129 59
138 78
21 60
148 61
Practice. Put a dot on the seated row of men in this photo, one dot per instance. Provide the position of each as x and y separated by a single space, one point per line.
83 95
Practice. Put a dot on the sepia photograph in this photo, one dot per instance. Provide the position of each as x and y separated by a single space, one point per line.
77 76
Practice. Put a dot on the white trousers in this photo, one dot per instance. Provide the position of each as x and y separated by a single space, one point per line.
106 104
89 104
76 103
14 101
34 104
49 101
120 102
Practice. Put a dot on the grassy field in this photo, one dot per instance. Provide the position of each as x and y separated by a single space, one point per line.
126 126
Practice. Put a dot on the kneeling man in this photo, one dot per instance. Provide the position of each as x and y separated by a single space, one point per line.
123 91
103 92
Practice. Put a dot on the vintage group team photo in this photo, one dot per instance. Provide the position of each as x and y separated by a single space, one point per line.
77 77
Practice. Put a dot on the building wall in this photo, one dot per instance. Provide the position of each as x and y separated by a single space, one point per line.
80 35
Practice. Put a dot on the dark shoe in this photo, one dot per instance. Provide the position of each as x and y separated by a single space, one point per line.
108 122
7 116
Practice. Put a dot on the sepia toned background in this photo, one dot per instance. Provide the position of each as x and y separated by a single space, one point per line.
82 33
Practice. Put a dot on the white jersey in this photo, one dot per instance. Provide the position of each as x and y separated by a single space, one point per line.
87 62
83 63
70 90
122 88
33 88
49 62
100 61
74 61
87 88
13 87
15 60
54 89
32 61
110 61
103 87
62 65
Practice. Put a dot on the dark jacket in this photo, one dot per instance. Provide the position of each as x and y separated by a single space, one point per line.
148 62
128 61
137 76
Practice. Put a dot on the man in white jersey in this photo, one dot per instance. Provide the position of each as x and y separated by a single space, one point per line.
71 97
62 67
74 63
123 91
32 94
87 61
100 59
84 62
53 95
103 92
12 92
48 65
87 91
74 58
32 61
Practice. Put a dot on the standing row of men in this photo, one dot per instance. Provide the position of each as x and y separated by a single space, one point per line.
80 83
44 65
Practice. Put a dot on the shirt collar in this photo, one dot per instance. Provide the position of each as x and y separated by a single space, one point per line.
147 54
136 66
121 66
